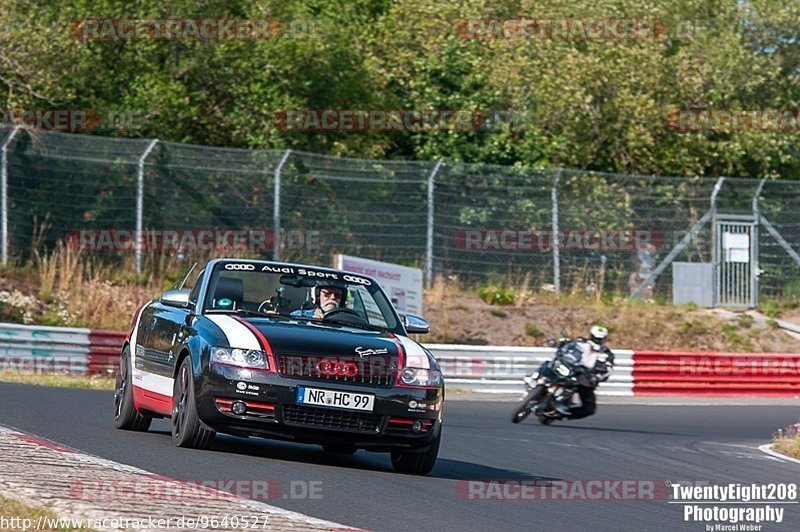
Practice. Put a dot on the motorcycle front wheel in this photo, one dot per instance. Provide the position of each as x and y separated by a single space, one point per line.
523 410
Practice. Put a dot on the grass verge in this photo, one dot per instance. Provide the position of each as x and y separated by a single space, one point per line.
27 517
787 441
94 382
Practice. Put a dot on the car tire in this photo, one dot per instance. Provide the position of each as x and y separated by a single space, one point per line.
187 431
338 448
126 417
416 463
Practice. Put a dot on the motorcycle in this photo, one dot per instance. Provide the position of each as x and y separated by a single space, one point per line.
549 390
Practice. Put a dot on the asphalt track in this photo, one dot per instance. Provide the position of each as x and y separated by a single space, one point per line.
706 445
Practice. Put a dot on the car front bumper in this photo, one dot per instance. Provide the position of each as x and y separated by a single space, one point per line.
272 411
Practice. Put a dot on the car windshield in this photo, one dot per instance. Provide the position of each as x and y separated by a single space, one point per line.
300 292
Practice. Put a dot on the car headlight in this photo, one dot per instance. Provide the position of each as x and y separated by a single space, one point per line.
246 358
421 377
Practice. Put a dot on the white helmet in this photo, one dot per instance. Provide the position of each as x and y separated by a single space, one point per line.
598 334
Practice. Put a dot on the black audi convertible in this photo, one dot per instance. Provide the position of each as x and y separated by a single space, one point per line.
285 351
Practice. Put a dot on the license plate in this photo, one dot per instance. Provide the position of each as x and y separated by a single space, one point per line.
335 399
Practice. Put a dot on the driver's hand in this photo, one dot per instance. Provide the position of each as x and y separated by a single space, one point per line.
318 314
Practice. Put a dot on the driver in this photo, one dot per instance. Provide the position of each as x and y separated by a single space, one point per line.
327 297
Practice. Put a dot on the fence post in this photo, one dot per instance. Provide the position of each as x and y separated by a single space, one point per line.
276 208
140 204
429 238
556 239
715 258
4 194
755 270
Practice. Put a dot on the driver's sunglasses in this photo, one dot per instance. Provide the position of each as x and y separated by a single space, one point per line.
331 293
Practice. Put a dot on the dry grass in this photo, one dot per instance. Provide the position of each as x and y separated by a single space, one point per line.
27 517
464 317
95 382
787 441
67 287
80 290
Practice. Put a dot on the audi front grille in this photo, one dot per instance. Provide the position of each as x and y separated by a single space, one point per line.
377 370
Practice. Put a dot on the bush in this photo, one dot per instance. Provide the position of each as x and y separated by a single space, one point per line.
787 440
770 309
792 290
533 330
10 313
497 295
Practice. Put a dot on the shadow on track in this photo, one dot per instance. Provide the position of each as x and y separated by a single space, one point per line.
627 431
365 461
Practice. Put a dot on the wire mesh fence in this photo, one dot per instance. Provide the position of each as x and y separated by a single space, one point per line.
553 229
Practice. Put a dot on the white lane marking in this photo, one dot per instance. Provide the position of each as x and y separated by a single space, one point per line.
767 449
237 333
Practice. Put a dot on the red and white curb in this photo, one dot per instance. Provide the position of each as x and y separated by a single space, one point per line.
43 473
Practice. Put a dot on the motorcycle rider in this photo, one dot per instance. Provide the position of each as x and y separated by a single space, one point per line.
599 361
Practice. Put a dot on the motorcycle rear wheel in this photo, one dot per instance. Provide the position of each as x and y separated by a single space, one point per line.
523 410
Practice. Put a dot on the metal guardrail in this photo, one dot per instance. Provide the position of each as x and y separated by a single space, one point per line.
485 369
43 349
717 374
490 369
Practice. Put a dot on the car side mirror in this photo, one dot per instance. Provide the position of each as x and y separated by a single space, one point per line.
175 298
415 324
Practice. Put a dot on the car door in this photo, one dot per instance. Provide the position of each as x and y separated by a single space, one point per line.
165 335
164 338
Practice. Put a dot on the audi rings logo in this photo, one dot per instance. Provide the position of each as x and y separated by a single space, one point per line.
239 267
333 368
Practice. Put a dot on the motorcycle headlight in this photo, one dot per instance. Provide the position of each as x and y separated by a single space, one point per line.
245 358
421 377
561 369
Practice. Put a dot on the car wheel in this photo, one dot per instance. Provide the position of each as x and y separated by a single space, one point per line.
187 431
339 448
416 463
126 417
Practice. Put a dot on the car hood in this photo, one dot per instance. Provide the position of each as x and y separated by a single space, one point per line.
309 338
